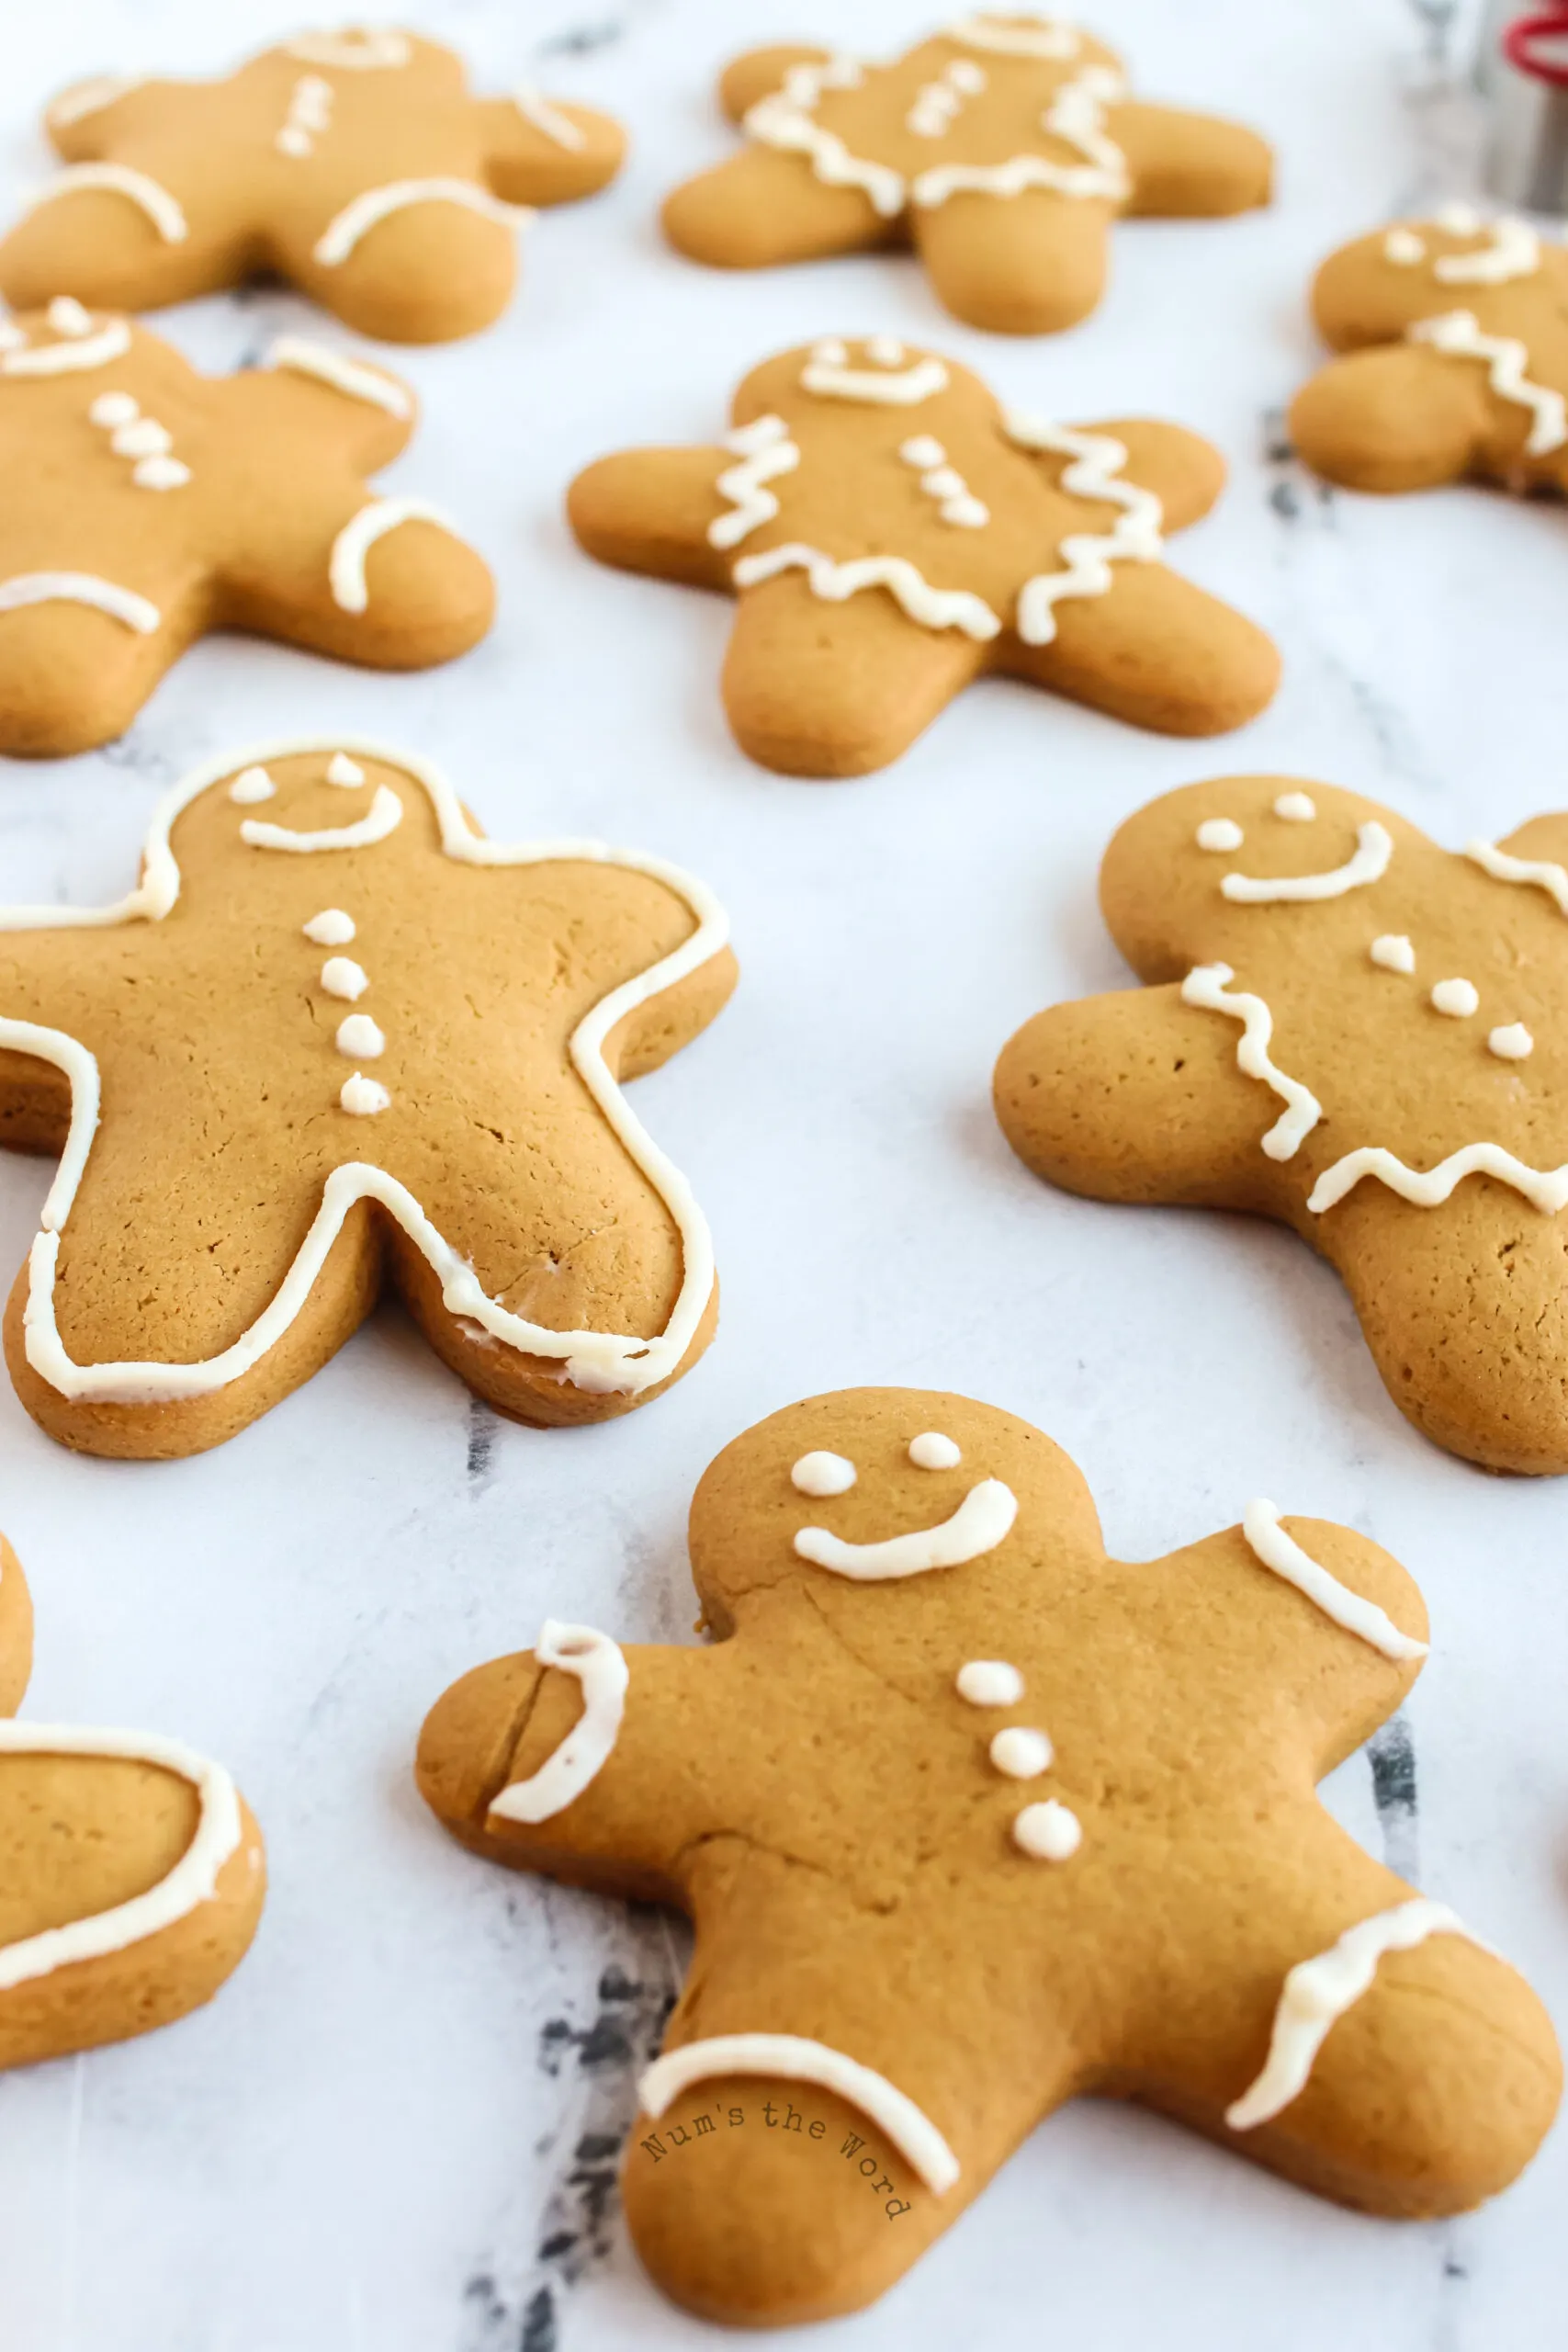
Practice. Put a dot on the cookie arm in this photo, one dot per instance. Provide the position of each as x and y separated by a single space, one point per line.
116 249
660 1787
1155 650
820 688
1396 418
649 511
1190 166
1137 1097
542 150
765 207
757 72
89 118
1030 264
1186 474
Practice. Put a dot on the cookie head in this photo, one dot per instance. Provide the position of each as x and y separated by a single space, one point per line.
874 1489
1374 288
16 1630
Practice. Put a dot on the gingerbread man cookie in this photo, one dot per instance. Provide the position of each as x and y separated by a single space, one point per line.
892 532
1002 149
132 1872
142 504
335 1040
1456 332
356 165
970 1819
1362 1035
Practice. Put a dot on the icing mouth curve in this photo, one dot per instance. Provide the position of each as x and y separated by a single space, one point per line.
982 1521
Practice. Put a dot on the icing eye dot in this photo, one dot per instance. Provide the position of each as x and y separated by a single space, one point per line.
1220 833
330 928
66 316
1048 1832
990 1682
342 770
250 786
1021 1753
359 1038
1403 247
1296 807
1394 951
1459 220
1511 1043
932 1450
1457 999
823 1474
831 352
885 349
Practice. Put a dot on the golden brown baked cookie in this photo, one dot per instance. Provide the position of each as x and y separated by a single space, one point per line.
1362 1035
356 165
142 504
1457 332
972 1819
1002 149
335 1041
132 1872
892 532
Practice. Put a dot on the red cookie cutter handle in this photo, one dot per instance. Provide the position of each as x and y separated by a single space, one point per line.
1529 41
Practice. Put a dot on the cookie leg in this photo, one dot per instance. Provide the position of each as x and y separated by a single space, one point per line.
825 689
1190 166
649 511
1135 1097
1157 652
426 272
15 1631
85 1837
1465 1309
1031 264
766 206
1393 419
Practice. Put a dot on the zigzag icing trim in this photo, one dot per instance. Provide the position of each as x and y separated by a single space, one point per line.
784 120
766 451
1076 117
1205 986
836 582
1458 333
1544 872
1545 1188
1135 538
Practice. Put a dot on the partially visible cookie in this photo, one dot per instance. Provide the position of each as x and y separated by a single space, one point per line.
356 165
972 1818
1002 149
334 1041
894 532
1362 1034
1458 357
142 504
131 1872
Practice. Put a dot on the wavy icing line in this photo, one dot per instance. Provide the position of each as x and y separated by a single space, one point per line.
192 1881
1545 1189
983 1519
1374 847
162 209
783 119
598 1363
345 566
138 613
957 608
354 52
1281 1554
1096 460
1318 1992
1458 335
362 212
1076 117
70 352
795 2058
766 451
1205 986
599 1667
1050 37
1543 872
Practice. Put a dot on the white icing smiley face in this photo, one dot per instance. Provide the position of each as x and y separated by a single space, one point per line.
980 1523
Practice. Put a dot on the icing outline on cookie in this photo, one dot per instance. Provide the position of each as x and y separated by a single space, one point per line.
303 358
163 210
598 1363
1136 536
1205 986
372 205
1279 1553
957 608
599 1666
1545 1188
345 565
192 1881
137 612
1458 335
795 2058
983 1519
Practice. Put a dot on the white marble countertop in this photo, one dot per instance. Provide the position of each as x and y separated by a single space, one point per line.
393 2130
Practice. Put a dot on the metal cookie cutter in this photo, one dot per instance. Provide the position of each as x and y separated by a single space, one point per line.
1522 70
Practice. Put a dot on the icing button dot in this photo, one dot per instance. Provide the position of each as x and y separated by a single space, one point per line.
1394 951
932 1450
113 407
1220 833
1021 1752
1511 1043
1049 1832
143 436
330 928
160 473
341 976
990 1682
822 1474
362 1097
359 1038
1457 999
